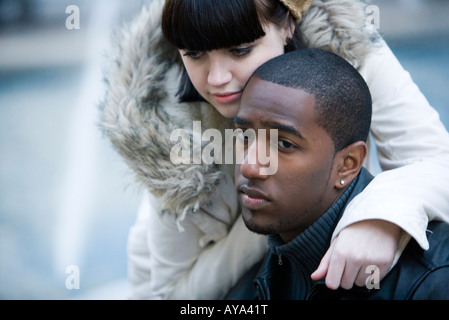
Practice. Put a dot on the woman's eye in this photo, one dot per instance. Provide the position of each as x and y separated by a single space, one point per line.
195 55
241 51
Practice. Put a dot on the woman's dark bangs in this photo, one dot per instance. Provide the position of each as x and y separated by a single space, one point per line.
204 25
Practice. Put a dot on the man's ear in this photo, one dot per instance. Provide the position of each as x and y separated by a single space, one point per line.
349 162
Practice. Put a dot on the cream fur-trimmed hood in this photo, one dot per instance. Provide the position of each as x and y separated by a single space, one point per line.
339 26
140 110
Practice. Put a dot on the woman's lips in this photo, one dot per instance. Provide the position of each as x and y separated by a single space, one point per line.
228 97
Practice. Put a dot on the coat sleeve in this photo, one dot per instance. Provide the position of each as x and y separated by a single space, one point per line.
413 152
166 263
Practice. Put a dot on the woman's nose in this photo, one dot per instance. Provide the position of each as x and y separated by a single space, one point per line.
219 73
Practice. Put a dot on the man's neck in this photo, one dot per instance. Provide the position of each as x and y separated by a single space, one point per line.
289 236
312 243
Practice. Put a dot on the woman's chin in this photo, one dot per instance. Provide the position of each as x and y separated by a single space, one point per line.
228 111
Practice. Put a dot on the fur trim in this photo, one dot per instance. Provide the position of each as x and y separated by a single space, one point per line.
297 7
339 26
140 111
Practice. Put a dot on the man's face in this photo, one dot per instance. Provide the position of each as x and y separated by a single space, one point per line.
302 189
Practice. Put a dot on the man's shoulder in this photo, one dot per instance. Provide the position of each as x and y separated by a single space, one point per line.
438 237
434 283
424 274
438 253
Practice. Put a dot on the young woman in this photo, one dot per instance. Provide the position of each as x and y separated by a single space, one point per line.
189 241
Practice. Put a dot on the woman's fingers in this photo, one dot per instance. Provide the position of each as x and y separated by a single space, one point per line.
357 251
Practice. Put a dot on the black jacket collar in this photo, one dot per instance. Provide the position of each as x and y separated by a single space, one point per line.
304 253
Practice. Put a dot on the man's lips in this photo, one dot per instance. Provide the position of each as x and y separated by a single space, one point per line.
252 198
227 97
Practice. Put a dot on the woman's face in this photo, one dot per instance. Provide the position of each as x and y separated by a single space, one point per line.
220 75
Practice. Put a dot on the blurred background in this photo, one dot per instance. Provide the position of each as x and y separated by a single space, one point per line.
66 199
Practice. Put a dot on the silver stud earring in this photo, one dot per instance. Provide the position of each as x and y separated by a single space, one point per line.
342 182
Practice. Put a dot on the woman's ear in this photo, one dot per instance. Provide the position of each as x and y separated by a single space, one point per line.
289 28
349 162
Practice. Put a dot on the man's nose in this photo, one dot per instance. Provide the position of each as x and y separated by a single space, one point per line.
251 168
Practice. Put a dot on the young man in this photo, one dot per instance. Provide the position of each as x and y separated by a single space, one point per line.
321 108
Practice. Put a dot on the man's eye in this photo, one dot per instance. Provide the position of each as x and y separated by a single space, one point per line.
286 145
242 136
195 55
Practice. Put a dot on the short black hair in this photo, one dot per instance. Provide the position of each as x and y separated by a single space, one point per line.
205 25
342 97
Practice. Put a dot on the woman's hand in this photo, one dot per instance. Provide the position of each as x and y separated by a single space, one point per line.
362 244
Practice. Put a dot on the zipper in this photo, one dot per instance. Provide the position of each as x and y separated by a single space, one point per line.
279 256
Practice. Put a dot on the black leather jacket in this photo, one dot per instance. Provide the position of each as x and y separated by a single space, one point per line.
418 275
285 273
